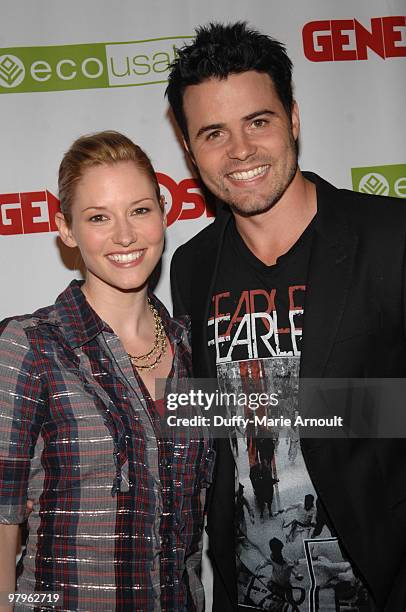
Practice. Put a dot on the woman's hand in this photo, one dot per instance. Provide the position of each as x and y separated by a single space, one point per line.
8 547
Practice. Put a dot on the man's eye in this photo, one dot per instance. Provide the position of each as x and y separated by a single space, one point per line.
97 218
213 135
257 123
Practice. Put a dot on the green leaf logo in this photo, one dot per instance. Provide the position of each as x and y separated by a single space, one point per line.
12 71
374 184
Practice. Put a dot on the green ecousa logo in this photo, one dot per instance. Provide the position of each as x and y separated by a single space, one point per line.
389 180
87 66
12 71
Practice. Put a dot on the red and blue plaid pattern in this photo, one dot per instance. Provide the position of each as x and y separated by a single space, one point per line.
118 507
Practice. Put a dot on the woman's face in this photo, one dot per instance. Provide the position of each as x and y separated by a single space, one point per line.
117 224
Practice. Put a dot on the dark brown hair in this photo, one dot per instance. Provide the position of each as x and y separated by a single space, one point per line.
223 49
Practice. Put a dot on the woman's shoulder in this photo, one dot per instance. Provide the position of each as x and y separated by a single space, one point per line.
17 330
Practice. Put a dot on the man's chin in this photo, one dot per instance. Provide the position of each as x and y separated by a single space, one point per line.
251 209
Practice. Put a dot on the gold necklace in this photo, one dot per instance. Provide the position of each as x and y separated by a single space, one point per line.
144 362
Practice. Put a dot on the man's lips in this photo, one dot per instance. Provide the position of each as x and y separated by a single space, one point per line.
126 258
249 175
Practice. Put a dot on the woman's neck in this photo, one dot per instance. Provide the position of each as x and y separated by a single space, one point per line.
124 311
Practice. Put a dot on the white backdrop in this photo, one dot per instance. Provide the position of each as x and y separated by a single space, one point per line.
352 110
61 77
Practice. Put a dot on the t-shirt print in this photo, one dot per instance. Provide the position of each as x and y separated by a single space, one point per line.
287 555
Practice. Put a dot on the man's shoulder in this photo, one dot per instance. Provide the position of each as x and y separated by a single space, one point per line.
366 202
364 210
380 218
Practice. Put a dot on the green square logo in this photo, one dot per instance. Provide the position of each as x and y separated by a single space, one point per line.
380 180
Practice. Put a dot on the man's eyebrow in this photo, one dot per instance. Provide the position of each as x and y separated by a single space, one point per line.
264 111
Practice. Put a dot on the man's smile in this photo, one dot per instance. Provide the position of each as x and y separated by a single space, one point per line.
249 175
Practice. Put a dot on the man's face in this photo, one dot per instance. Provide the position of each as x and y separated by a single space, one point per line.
241 140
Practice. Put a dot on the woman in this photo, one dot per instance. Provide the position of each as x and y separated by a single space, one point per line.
117 505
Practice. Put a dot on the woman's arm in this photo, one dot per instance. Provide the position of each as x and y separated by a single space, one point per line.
8 548
21 416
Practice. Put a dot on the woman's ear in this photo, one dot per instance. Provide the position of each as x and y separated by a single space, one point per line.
164 215
65 230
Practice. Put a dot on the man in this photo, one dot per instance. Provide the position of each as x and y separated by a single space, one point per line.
262 484
294 277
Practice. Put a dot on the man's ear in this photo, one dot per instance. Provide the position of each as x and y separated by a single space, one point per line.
64 230
295 120
188 149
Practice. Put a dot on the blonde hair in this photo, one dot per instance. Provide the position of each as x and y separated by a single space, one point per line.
107 147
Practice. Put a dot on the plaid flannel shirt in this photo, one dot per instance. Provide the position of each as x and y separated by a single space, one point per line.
118 509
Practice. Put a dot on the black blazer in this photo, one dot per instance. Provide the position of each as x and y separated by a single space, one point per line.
354 326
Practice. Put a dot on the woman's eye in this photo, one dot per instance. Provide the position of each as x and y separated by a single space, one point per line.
97 218
140 211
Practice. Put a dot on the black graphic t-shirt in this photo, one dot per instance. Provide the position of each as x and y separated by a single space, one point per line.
287 557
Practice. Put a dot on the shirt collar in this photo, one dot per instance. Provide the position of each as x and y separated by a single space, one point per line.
81 323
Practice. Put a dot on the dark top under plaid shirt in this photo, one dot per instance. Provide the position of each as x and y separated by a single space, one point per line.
118 510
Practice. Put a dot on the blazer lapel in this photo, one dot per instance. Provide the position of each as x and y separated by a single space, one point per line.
331 262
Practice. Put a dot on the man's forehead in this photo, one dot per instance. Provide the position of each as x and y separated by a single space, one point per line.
230 79
235 96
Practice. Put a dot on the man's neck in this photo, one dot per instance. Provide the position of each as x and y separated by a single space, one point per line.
272 233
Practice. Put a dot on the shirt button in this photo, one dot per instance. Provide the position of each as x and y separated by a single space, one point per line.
165 540
165 463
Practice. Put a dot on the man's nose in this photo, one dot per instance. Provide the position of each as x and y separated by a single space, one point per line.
241 146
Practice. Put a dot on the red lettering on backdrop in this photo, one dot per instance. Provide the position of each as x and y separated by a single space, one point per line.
369 39
176 205
53 208
326 41
393 36
312 37
21 220
186 192
191 197
31 211
11 221
341 40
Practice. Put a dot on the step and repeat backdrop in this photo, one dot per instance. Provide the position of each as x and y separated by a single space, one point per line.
72 68
68 69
